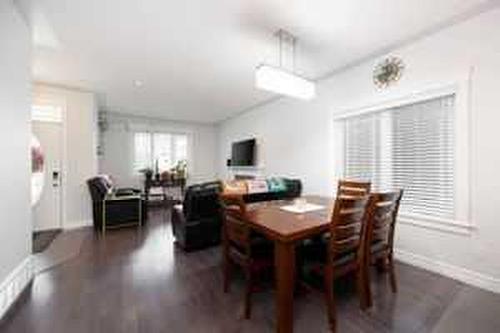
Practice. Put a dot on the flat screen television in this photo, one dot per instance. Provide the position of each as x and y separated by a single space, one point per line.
243 153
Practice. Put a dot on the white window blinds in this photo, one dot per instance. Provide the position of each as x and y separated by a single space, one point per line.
142 151
411 147
162 149
162 153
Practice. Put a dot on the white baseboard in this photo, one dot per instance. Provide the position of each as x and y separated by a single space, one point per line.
455 272
77 224
14 284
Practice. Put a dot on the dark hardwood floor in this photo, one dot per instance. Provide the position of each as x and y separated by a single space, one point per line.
42 239
137 281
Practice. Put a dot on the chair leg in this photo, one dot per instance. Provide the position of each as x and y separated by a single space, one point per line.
381 265
227 274
392 275
330 297
248 294
362 289
365 272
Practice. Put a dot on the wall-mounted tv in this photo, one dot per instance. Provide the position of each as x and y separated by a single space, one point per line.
243 153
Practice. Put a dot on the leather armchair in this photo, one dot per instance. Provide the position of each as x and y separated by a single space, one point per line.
197 223
115 207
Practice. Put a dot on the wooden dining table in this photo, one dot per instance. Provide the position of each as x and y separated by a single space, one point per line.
287 229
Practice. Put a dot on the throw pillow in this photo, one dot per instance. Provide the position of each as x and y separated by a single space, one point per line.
234 187
257 186
276 185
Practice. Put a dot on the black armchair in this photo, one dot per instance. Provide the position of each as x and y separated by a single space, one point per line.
115 207
197 222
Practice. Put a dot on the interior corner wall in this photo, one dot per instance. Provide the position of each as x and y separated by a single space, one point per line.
118 150
296 138
79 152
15 136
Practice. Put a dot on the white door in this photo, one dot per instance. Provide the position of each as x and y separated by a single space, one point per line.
47 211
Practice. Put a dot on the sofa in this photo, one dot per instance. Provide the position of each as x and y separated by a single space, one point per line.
115 207
197 222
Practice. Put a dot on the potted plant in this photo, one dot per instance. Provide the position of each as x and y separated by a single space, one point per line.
180 169
148 173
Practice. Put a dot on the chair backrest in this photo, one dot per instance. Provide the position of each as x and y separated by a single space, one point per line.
348 226
201 201
236 232
353 188
99 186
381 218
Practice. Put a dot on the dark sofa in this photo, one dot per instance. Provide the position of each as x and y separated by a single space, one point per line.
113 207
196 223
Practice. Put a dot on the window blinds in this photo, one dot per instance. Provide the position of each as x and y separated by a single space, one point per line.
163 148
410 147
142 151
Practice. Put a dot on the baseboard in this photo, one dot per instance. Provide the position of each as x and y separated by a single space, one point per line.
455 272
77 224
14 284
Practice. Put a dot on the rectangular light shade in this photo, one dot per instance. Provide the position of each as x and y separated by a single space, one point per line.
282 82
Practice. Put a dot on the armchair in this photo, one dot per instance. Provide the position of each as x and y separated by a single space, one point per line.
112 207
197 222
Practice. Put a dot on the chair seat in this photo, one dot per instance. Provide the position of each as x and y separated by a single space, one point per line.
315 251
262 251
262 247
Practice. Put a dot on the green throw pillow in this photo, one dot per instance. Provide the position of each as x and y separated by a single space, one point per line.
276 185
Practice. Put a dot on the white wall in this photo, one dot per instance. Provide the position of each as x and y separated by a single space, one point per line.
80 149
117 145
297 138
15 135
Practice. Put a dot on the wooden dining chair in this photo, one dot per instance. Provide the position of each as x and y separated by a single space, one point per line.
353 188
381 216
344 188
243 247
342 252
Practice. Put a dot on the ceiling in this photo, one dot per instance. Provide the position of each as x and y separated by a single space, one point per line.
195 59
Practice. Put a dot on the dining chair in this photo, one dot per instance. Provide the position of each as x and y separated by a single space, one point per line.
342 252
381 216
344 188
243 247
353 187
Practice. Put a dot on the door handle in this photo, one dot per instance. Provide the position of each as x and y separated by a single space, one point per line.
55 178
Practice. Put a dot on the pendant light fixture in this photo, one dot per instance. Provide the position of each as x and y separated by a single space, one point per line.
281 80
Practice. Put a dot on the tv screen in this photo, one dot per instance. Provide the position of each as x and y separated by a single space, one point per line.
243 153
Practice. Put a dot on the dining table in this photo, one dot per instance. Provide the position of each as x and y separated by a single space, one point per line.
287 229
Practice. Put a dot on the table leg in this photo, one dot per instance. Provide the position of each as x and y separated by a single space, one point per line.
284 257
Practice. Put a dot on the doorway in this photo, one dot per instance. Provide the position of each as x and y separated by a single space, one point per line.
47 130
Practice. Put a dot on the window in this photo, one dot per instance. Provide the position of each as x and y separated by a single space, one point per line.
142 144
164 149
411 147
46 113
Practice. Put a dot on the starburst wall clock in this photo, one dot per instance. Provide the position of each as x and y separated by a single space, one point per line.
388 72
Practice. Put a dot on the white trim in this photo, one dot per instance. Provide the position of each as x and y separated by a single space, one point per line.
403 99
13 285
464 275
449 226
77 224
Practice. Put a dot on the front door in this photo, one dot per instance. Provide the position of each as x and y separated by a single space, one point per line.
47 211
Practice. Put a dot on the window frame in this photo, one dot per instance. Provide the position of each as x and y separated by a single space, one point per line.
462 222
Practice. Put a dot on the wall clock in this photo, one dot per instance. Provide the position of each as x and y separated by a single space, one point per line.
388 72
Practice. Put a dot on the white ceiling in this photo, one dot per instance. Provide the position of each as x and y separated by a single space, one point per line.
196 58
